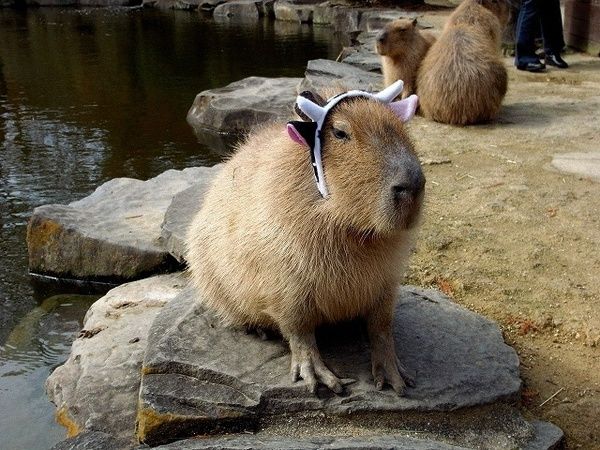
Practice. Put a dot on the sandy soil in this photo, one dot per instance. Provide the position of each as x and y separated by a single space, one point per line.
506 235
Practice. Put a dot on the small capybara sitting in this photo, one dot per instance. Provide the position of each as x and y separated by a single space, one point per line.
314 226
402 48
462 79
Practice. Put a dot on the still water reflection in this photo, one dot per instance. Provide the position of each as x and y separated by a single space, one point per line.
87 95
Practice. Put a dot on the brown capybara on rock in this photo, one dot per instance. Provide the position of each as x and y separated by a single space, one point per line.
462 80
272 249
402 48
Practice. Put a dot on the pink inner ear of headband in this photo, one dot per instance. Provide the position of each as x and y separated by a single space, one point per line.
296 137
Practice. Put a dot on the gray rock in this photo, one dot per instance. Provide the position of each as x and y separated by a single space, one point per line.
323 13
111 234
345 20
547 437
375 20
185 5
445 3
260 442
293 11
586 165
210 4
198 376
322 73
97 387
243 104
239 9
109 2
181 212
364 60
93 440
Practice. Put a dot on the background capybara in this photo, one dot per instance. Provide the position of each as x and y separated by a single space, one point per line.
402 48
267 250
462 79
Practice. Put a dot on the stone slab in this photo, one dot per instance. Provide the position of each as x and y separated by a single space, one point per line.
293 11
586 165
93 440
199 376
97 387
323 73
241 105
239 9
110 235
260 442
181 211
364 60
547 437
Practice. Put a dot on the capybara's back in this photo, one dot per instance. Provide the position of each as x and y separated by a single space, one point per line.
462 80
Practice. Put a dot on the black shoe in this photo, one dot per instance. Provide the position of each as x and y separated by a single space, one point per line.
532 67
555 60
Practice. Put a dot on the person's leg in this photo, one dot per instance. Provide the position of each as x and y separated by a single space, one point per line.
527 25
552 32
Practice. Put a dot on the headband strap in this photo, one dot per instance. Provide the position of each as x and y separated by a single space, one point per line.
319 114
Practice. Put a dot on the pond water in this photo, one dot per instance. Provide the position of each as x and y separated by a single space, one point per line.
87 95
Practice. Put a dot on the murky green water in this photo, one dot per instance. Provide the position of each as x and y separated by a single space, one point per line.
86 96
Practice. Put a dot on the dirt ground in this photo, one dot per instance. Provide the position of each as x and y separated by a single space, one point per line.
509 237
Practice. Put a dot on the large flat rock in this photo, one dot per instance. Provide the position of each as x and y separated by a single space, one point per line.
97 387
244 104
110 235
323 73
180 213
586 165
245 442
199 376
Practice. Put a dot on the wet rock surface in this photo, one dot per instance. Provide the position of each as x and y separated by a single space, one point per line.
97 387
110 235
198 375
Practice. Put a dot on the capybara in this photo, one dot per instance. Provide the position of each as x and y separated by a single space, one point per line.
402 48
462 79
272 249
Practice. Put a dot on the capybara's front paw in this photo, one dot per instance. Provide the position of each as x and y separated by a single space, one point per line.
308 365
387 368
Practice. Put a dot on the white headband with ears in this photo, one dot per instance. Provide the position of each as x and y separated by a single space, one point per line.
302 132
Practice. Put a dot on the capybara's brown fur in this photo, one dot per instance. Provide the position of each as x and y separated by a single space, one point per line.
462 80
402 48
266 250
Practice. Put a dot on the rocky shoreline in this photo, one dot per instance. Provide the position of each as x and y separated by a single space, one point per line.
150 366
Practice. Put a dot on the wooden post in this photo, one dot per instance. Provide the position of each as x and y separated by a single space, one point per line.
582 25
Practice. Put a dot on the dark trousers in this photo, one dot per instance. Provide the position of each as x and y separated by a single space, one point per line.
536 14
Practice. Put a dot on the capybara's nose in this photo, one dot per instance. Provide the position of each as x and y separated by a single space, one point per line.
413 186
401 191
381 37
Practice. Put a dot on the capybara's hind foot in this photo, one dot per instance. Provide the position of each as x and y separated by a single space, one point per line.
308 365
387 368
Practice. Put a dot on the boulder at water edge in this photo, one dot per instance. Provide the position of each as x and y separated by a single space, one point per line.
241 105
97 387
111 235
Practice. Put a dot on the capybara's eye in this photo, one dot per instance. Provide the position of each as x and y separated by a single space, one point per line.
339 134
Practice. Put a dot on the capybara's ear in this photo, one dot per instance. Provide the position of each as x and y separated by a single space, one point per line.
405 109
302 132
414 22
